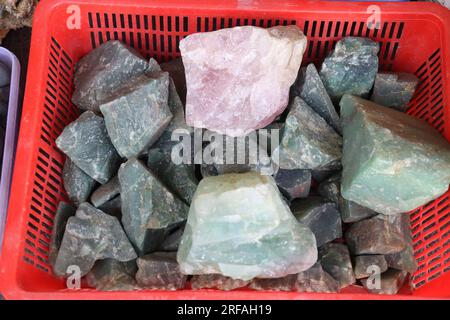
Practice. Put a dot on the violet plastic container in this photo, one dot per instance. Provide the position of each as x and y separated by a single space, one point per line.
9 150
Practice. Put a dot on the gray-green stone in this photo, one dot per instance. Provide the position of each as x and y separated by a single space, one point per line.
240 227
148 207
173 239
335 259
390 282
392 162
113 275
350 211
351 68
138 113
77 183
91 235
321 216
310 88
367 265
63 213
307 141
394 90
160 271
315 279
113 207
105 192
102 71
294 183
216 281
86 142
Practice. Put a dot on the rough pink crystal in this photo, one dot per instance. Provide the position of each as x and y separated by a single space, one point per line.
238 79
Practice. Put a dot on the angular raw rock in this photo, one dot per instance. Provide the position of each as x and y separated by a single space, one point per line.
179 178
390 282
403 260
77 183
351 68
138 113
293 183
239 78
63 213
378 235
113 275
367 265
113 208
175 68
310 88
350 211
148 207
240 227
102 71
320 175
307 141
392 162
335 259
160 271
216 281
86 142
91 235
106 192
287 283
321 216
173 239
394 90
315 279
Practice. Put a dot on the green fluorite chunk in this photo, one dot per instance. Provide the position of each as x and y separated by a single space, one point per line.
240 227
392 162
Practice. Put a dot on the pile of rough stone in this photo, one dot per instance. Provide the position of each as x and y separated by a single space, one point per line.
333 212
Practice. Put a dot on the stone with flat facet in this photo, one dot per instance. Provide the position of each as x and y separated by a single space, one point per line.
350 68
63 213
310 88
335 259
394 90
138 113
403 260
390 282
175 68
105 192
113 275
321 216
392 162
86 142
77 183
307 141
91 235
294 183
99 73
173 239
149 209
113 207
367 265
240 227
238 79
216 281
315 279
286 283
160 271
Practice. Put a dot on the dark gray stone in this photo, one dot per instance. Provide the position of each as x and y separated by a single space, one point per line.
77 183
5 75
138 113
91 235
216 281
113 275
86 142
367 265
113 207
394 90
320 175
381 234
390 282
335 259
307 141
310 88
160 271
350 211
350 68
294 183
63 213
315 279
102 71
148 207
175 68
287 283
403 260
321 216
105 192
173 239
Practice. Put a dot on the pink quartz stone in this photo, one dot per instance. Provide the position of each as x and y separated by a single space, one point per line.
238 79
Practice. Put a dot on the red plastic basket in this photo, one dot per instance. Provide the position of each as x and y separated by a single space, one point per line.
414 37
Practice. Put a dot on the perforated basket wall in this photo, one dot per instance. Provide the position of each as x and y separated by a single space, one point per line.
412 37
